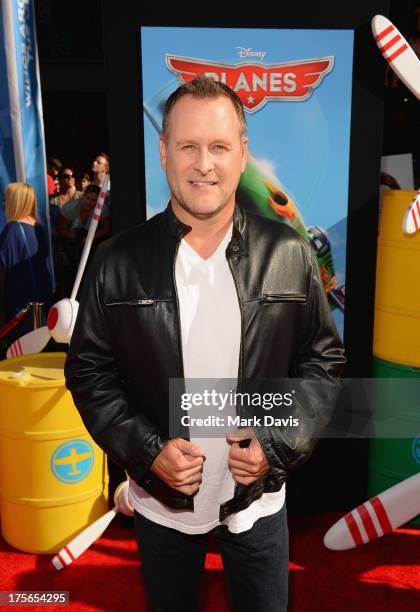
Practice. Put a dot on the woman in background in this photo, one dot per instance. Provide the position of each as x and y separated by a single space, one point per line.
23 257
68 191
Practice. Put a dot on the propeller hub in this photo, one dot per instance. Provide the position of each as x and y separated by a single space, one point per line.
52 318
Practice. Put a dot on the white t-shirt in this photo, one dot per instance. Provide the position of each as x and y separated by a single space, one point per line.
211 334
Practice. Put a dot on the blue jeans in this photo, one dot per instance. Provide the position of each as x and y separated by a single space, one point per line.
255 563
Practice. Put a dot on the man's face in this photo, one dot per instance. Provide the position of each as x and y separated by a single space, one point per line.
203 155
99 164
67 178
89 199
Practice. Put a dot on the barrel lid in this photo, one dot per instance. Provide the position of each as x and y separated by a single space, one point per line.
36 370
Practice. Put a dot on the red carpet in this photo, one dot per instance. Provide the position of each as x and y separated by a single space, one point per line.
381 576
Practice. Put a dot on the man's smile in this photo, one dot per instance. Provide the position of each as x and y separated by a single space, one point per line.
203 183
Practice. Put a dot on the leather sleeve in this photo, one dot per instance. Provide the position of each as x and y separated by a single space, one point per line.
97 387
317 368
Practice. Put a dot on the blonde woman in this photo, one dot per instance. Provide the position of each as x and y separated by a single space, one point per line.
23 255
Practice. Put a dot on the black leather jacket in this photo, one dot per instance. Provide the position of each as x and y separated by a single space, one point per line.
126 343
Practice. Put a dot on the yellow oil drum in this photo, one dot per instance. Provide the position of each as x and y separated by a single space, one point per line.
396 335
53 477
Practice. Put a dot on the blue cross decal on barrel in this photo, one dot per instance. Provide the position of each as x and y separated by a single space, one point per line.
72 461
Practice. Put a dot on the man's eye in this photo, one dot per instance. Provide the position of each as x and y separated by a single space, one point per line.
187 147
220 147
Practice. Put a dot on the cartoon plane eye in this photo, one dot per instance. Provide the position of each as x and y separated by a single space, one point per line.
279 198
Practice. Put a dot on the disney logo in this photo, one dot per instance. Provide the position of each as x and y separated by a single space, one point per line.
249 52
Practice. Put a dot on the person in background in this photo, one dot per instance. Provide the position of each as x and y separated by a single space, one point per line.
82 181
54 166
100 168
24 260
73 226
68 190
76 215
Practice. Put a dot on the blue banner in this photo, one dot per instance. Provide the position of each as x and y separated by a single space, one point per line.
7 158
21 132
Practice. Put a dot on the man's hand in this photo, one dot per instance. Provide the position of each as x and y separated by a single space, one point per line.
246 464
180 465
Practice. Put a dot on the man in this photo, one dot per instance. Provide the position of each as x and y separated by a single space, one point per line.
100 168
72 226
76 216
206 290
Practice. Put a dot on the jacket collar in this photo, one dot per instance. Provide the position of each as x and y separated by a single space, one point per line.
236 246
174 225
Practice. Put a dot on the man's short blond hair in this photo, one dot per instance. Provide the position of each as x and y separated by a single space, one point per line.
200 88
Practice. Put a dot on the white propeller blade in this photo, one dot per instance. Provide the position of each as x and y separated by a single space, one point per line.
377 516
397 52
85 538
411 221
81 542
33 342
406 65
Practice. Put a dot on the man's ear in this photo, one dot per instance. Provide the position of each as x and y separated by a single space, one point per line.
162 152
244 145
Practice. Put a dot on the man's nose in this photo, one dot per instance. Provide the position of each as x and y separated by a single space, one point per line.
204 161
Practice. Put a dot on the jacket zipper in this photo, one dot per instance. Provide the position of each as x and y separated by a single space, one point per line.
274 299
135 302
240 368
177 309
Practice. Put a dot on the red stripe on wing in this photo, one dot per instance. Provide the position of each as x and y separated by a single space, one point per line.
396 53
70 554
384 33
390 43
354 529
367 522
381 514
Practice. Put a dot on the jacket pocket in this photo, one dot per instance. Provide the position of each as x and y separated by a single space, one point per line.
139 302
280 298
